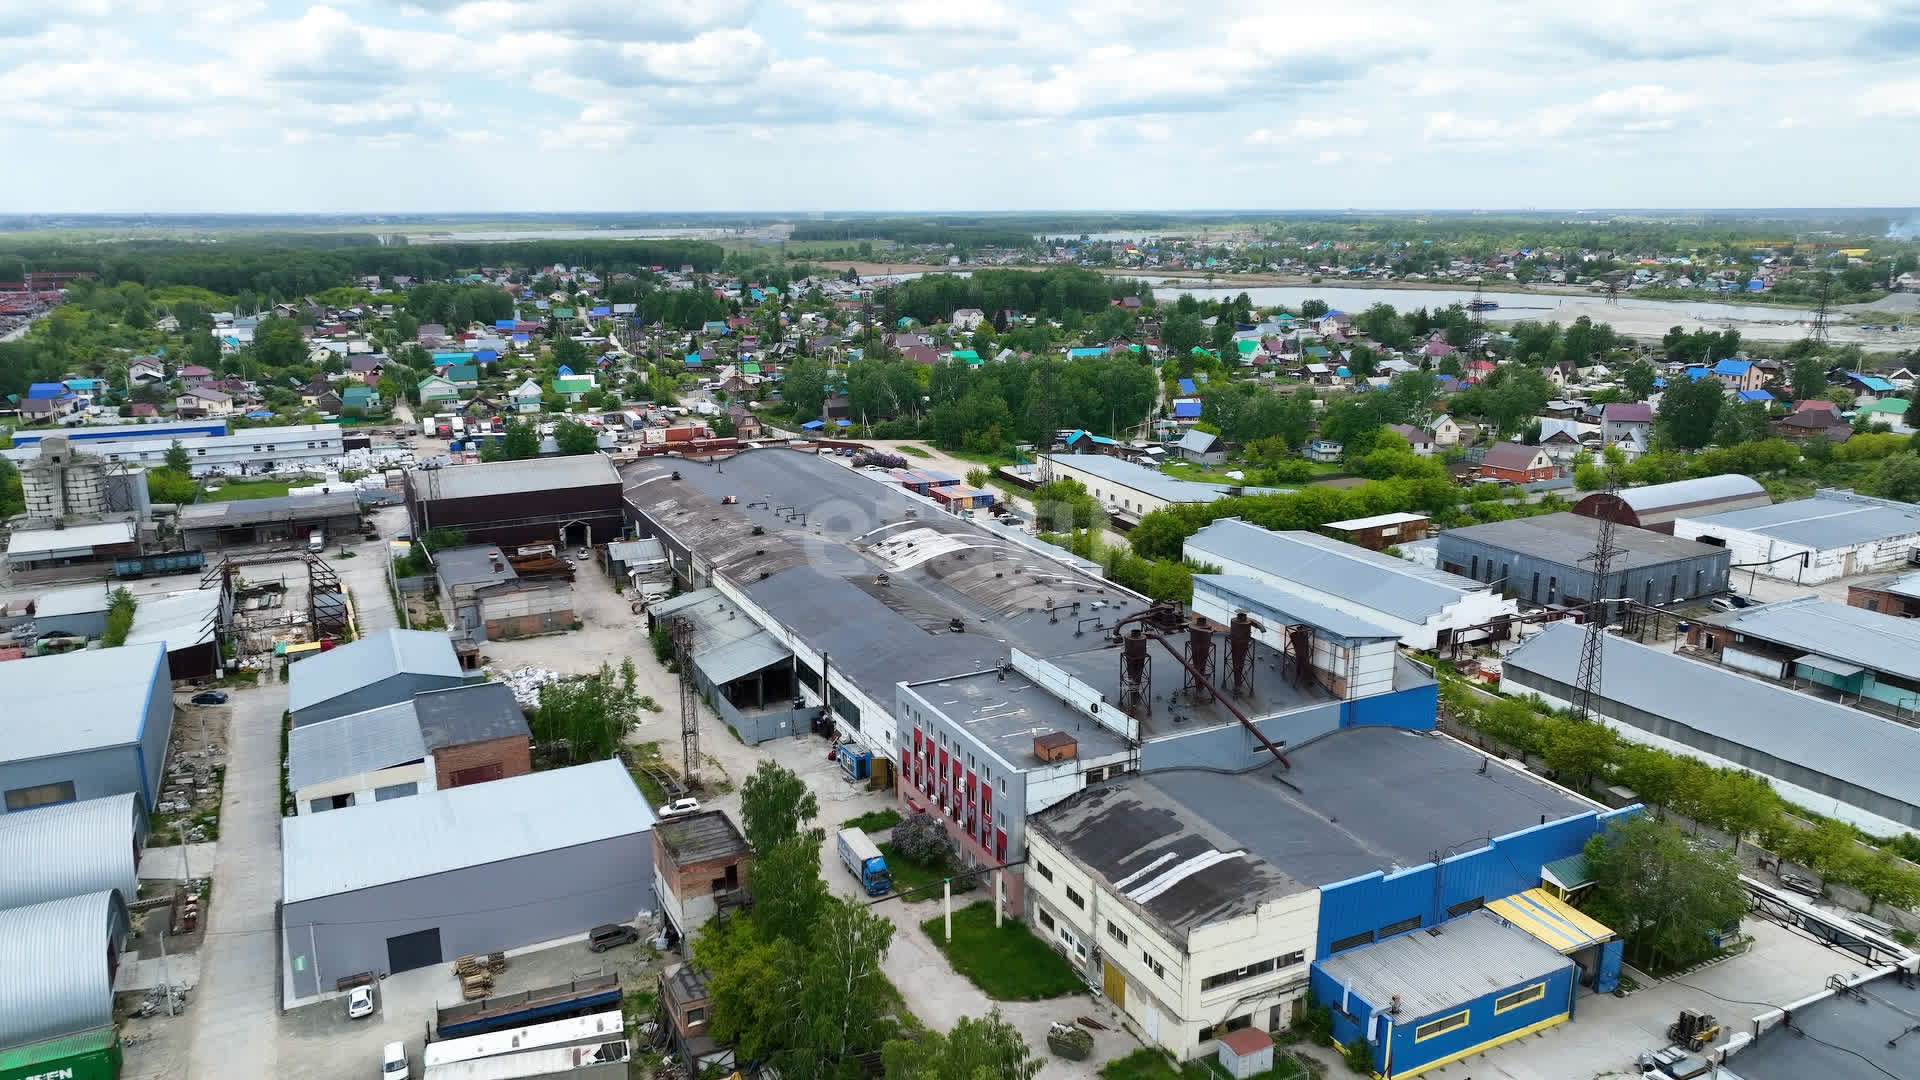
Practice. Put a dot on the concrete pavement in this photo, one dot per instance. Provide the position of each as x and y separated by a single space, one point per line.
236 1009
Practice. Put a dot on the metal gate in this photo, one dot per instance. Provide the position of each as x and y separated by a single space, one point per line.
416 950
1113 983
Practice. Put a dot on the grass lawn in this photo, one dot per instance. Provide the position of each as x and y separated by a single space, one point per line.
874 820
912 875
914 451
1149 1063
247 489
1009 963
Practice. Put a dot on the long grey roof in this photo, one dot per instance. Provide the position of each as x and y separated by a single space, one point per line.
79 700
1655 497
1567 538
1150 481
469 714
1434 973
53 967
1840 1037
209 515
1394 586
178 620
361 663
1272 603
531 474
1849 745
726 645
1831 519
356 743
1818 625
81 847
440 831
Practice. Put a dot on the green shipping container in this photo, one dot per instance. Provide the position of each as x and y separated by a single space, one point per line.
94 1055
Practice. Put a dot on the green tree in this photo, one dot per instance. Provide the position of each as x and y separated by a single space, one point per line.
590 714
1662 895
170 486
986 1049
279 343
1578 750
788 892
1912 416
1897 477
1638 379
13 499
574 438
774 805
1589 477
521 440
1688 411
1738 803
743 979
804 386
836 1000
177 458
1809 377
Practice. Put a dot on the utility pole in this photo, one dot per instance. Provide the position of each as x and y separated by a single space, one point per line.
1599 607
1818 333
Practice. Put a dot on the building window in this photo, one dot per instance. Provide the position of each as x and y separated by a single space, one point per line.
1114 932
1454 911
1251 971
1519 997
1043 870
395 791
27 798
1046 919
1003 785
1475 575
1400 927
1206 1034
1553 588
1152 964
1441 1026
1075 898
1533 597
1873 603
1361 938
479 774
696 1016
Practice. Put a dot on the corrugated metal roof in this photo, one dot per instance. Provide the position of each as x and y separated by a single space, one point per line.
1568 538
1656 497
1846 744
79 600
15 1061
99 697
1831 519
253 511
374 657
1393 586
439 831
59 851
1551 920
1261 597
742 657
1151 482
53 966
352 744
1437 973
469 714
178 620
73 537
531 474
1197 441
1817 625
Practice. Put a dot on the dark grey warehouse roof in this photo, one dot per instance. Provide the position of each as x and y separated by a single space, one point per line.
1356 800
362 663
1846 744
1394 586
209 515
1856 1036
468 714
1568 538
1815 624
1831 519
531 474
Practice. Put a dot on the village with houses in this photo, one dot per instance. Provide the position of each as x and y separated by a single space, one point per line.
664 659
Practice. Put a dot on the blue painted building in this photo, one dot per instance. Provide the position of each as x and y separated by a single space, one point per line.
80 436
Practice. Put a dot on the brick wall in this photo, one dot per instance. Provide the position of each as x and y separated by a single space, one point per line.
511 753
696 879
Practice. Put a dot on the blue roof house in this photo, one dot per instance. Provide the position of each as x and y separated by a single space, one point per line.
1186 410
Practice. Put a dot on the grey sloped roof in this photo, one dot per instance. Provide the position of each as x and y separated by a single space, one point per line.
356 743
1259 596
53 966
1386 584
1831 519
469 714
1477 955
439 831
1854 747
98 696
1818 625
531 474
1197 441
373 658
68 850
1656 497
1567 538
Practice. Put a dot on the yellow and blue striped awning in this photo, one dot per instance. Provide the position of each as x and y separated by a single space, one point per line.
1551 920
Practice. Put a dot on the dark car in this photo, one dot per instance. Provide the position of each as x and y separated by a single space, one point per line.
209 697
610 936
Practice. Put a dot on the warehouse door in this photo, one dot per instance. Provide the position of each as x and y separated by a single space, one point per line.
416 950
1113 983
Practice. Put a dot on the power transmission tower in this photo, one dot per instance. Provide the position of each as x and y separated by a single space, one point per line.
1478 305
1599 609
1818 333
682 632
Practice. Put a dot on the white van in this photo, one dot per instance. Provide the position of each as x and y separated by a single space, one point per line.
394 1063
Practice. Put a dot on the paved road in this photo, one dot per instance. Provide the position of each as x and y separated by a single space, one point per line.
236 1011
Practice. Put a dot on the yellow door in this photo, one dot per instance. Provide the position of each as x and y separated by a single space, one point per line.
1114 984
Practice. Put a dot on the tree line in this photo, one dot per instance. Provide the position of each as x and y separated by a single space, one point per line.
1053 293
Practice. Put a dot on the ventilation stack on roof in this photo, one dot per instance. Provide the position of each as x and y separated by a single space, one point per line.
1199 669
1240 655
1136 675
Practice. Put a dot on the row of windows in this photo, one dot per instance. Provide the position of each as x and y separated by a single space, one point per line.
1505 1003
1252 971
201 451
952 746
27 798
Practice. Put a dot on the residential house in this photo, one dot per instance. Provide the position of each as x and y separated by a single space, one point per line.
364 398
1626 420
1891 411
573 387
366 367
1563 410
463 376
1560 439
1446 431
431 335
146 369
1420 440
1814 417
1516 463
967 320
1867 387
1202 447
204 401
1325 451
526 398
194 375
1739 374
435 389
745 425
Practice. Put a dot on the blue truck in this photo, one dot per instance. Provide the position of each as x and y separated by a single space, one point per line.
869 867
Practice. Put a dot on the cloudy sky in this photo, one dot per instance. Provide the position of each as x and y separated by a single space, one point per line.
477 105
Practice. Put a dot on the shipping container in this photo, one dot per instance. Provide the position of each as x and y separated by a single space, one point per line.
93 1055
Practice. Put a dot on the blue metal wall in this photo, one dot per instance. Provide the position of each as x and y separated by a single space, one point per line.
1353 1018
1412 708
155 729
1509 865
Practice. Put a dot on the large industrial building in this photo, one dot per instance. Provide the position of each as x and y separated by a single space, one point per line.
1429 608
1837 761
1205 901
1656 506
211 526
97 435
84 725
1846 653
1894 594
1129 492
1832 535
1546 560
409 883
73 849
58 960
383 668
572 501
250 452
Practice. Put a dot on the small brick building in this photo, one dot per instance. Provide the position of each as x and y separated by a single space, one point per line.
700 864
474 734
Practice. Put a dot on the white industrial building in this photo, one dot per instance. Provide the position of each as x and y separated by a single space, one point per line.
1427 607
244 453
1832 535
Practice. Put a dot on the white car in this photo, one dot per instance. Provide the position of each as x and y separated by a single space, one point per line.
680 808
580 556
360 1003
